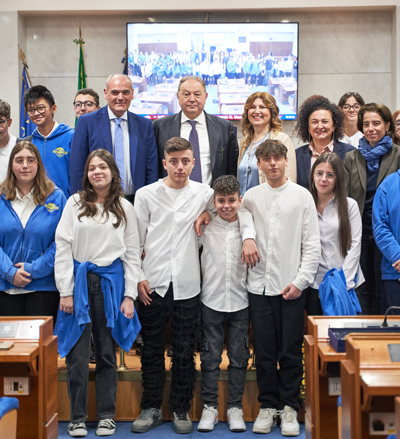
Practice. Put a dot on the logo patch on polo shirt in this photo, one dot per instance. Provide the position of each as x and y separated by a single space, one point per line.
60 152
51 208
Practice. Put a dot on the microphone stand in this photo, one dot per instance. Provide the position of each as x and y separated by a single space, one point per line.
385 324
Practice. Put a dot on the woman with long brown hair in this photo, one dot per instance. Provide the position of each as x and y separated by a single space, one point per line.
30 209
260 122
339 225
97 269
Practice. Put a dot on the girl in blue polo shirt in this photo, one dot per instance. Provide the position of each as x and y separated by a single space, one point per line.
30 209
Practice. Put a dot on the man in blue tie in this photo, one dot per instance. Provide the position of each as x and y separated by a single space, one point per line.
214 142
130 138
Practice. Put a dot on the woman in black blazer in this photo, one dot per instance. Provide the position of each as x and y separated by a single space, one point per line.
320 122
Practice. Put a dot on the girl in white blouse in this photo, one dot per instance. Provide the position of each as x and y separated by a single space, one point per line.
340 226
96 269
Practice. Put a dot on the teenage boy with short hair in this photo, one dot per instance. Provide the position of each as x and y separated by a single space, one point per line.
224 300
52 139
7 140
286 223
170 284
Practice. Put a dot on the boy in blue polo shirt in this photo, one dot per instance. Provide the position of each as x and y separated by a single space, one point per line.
53 140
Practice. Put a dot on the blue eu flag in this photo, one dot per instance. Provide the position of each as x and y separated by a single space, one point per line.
26 126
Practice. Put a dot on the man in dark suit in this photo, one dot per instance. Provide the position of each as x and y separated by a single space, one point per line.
214 138
130 138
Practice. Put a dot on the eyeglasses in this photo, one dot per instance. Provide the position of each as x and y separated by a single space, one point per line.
330 176
348 107
3 121
86 104
40 109
30 161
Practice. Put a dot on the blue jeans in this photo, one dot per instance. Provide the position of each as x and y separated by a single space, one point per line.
106 362
212 344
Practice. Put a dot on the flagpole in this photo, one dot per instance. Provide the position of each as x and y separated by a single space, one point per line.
22 58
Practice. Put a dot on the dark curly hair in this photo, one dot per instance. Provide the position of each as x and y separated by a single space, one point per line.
226 185
315 103
112 203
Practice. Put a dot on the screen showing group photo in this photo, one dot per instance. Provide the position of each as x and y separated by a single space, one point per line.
233 59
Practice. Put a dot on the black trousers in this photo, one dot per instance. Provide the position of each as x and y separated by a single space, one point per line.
38 303
184 315
277 337
369 292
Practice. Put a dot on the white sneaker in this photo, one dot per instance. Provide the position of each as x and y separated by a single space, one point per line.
235 420
289 424
77 429
209 418
106 427
266 419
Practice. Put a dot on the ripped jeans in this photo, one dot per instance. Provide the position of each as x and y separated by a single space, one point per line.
212 344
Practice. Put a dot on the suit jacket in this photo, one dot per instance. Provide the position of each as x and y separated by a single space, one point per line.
224 149
356 167
93 132
303 158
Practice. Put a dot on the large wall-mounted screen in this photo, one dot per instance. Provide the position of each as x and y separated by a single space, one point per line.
233 59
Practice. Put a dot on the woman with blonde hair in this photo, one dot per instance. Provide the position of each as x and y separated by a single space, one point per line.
30 209
260 121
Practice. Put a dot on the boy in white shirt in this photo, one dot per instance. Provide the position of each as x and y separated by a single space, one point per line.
7 140
286 223
170 284
224 300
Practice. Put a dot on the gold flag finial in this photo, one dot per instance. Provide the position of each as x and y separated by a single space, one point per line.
22 57
80 40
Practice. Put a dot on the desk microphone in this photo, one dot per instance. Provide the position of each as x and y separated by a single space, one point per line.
384 324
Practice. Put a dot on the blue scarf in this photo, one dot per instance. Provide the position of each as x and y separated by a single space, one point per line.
69 327
373 154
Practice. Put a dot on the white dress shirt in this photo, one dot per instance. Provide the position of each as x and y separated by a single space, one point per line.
331 256
224 276
128 183
5 153
204 143
98 241
23 207
288 241
167 236
353 140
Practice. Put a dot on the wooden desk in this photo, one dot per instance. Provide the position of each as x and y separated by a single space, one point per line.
35 358
239 88
321 363
166 87
139 82
286 90
231 82
145 108
370 382
169 100
232 109
274 83
232 99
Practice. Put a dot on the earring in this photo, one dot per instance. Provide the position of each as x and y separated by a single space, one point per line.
313 185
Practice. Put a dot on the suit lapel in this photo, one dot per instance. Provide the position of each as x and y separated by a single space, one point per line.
133 141
362 170
307 164
386 162
104 124
214 140
174 128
